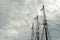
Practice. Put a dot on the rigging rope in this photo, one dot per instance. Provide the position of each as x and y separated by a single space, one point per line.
53 23
55 30
42 34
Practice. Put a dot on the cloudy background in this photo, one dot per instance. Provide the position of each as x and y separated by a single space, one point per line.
16 17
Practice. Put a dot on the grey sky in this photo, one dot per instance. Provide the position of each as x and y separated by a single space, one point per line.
16 17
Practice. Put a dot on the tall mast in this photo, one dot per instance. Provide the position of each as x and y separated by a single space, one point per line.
37 29
45 23
32 37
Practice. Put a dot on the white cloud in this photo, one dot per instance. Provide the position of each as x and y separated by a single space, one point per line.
57 3
11 32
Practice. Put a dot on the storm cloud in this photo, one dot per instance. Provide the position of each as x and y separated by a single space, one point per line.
16 17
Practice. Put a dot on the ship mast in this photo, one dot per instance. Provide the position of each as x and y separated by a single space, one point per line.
45 27
37 29
32 37
45 23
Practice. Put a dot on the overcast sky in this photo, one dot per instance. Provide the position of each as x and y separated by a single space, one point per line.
16 17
